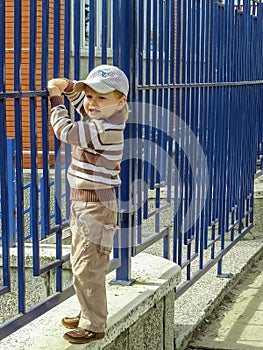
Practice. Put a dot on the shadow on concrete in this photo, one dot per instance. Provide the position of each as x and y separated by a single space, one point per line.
237 324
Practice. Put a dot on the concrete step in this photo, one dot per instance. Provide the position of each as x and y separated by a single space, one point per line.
140 314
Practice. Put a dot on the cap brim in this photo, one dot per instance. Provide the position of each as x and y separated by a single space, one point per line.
95 85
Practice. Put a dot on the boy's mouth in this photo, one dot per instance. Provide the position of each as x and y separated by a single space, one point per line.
94 110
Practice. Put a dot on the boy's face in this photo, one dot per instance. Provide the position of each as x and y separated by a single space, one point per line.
99 105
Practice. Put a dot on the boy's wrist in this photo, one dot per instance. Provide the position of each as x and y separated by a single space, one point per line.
54 91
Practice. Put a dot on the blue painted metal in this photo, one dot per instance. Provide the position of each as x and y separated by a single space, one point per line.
91 34
77 14
3 164
104 34
123 273
191 116
45 195
10 152
19 161
67 31
33 142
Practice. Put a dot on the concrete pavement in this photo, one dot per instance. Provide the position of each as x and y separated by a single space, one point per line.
237 322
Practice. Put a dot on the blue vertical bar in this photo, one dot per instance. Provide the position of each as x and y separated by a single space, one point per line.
115 32
230 202
11 190
44 123
206 22
42 206
223 131
184 174
115 61
141 36
241 113
176 228
169 104
165 125
193 123
91 34
202 117
148 64
205 45
196 127
104 33
56 43
6 191
77 15
169 75
56 73
212 113
154 51
3 152
180 134
19 157
67 31
33 141
127 23
140 119
159 112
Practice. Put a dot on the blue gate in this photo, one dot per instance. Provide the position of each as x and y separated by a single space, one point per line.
192 142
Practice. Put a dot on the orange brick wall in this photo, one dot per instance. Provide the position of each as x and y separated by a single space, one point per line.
25 65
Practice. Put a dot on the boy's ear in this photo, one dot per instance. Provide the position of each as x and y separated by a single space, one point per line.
122 101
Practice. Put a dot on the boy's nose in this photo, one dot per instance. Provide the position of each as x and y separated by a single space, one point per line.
93 103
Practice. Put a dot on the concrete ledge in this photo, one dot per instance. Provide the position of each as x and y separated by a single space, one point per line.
147 304
258 190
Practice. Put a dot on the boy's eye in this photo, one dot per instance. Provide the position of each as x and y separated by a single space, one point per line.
102 98
88 96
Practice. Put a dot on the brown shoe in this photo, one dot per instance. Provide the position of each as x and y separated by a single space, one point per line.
82 336
71 322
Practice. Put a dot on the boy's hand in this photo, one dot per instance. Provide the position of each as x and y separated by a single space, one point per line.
57 86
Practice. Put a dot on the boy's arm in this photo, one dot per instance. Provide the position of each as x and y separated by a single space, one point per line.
64 129
59 86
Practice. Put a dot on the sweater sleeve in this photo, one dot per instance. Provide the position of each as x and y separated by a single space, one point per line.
76 98
64 129
75 133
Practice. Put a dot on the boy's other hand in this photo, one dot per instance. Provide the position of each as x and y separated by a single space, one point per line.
57 86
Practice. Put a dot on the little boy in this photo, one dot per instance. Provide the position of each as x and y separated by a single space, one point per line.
97 145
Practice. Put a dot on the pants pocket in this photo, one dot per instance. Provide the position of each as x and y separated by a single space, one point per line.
106 242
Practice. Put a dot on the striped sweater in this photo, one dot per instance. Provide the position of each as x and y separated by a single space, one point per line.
97 147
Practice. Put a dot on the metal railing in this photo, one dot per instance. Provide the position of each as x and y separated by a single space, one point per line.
192 140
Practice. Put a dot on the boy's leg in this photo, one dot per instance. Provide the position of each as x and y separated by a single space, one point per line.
89 268
92 226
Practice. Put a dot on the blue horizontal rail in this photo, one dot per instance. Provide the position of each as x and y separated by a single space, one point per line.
27 212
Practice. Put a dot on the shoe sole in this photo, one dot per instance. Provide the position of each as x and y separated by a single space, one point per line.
81 340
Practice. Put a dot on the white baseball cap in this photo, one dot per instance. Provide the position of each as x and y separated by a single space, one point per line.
105 79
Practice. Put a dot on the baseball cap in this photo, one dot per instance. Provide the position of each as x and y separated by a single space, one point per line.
105 79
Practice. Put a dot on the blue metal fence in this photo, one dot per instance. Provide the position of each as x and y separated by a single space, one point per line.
192 141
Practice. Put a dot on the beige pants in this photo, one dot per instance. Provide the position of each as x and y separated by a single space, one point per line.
93 226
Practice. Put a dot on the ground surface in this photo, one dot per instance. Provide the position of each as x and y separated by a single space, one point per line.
237 324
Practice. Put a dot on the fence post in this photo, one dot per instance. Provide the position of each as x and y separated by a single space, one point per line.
11 190
127 25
